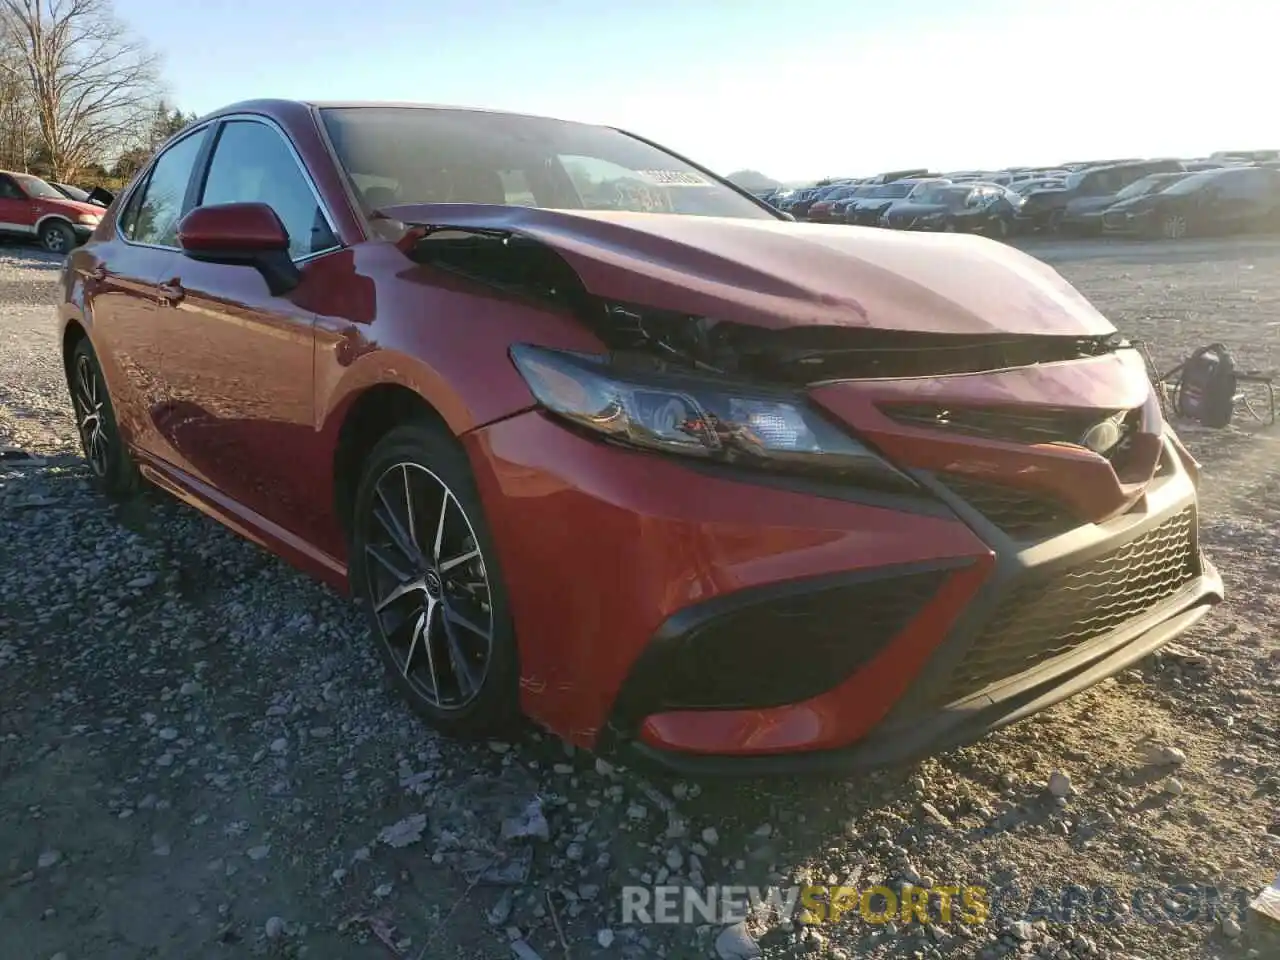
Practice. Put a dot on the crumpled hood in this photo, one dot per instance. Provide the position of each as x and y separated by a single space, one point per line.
777 273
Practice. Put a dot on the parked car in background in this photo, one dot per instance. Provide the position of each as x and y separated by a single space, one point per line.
799 207
985 208
892 175
76 193
406 349
839 212
1213 202
1083 215
866 211
31 209
1246 156
822 210
1195 166
1045 209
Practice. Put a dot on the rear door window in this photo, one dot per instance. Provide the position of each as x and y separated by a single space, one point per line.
162 200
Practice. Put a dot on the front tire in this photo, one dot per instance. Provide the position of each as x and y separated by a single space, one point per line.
113 469
425 566
57 237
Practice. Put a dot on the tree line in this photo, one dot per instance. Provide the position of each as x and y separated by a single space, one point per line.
81 99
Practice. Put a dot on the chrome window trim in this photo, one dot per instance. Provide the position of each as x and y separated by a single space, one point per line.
231 118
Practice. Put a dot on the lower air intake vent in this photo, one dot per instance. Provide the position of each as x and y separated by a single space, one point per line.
785 648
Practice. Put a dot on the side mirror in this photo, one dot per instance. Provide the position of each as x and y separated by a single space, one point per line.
101 196
248 234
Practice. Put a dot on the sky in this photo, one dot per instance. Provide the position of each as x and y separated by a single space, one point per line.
797 90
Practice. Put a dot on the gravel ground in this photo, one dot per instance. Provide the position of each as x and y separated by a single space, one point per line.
198 757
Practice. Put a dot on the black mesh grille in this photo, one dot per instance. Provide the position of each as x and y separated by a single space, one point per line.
1044 620
1019 513
786 649
1045 425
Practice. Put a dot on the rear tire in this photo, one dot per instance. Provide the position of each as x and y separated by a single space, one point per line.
425 566
57 237
113 469
1173 227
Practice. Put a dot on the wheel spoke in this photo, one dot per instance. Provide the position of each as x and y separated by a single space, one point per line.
86 389
408 507
438 546
452 614
389 522
427 619
398 573
446 565
418 630
467 682
399 592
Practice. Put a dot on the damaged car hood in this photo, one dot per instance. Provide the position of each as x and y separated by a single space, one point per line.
779 274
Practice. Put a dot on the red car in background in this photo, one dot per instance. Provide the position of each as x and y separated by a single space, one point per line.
600 439
33 210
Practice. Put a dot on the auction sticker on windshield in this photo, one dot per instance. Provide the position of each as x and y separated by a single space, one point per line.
675 178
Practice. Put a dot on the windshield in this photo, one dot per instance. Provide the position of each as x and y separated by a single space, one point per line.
891 190
1028 186
75 193
424 155
1155 183
35 187
941 194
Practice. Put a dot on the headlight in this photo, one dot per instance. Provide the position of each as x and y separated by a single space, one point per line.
91 219
697 416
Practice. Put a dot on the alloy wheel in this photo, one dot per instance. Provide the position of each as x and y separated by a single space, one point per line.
89 396
55 239
428 584
1175 227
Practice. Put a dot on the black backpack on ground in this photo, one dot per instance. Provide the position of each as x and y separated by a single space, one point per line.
1207 387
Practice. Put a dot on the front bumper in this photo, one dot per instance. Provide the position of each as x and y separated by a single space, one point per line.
834 628
1036 632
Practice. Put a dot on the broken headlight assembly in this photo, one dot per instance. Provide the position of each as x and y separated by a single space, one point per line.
692 415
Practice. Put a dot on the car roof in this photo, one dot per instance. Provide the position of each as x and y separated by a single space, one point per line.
276 107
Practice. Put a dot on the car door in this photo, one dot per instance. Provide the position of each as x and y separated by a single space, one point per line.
238 369
17 212
1240 203
120 275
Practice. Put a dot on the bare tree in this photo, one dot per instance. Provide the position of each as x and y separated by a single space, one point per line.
17 119
91 86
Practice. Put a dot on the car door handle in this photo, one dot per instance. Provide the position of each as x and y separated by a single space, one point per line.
98 274
172 292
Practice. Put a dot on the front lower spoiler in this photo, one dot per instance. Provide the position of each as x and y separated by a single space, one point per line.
901 741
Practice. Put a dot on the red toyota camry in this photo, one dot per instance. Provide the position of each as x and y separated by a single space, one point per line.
600 439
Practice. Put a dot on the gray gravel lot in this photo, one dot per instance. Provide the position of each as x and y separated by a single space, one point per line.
199 759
